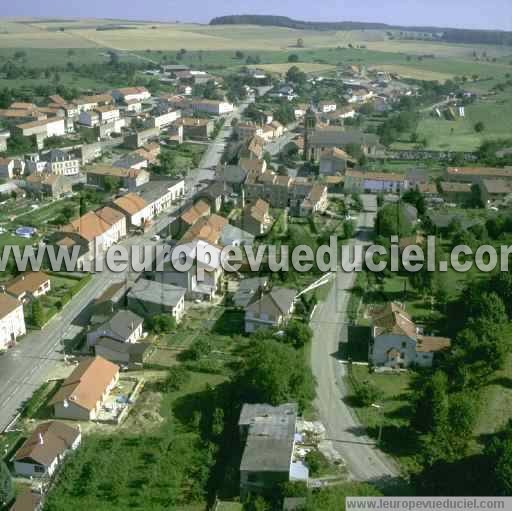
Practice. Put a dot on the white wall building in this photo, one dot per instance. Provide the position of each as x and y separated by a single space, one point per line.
12 321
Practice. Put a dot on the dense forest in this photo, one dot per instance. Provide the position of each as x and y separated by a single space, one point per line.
453 35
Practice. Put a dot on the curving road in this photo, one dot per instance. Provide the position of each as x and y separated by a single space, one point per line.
364 461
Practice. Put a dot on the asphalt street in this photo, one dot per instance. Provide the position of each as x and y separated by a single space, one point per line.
364 461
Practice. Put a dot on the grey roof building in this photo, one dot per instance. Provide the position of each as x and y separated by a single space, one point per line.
232 235
325 138
248 289
123 326
270 310
129 160
269 433
148 297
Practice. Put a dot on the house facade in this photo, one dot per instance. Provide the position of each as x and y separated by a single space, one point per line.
12 321
82 394
270 310
29 285
45 449
397 342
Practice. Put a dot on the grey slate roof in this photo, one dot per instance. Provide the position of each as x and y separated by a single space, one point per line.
338 137
247 289
278 299
270 439
233 174
122 324
128 161
133 348
156 292
231 233
153 190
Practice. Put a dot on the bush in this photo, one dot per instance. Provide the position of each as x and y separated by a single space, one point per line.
161 323
317 463
367 393
198 349
177 377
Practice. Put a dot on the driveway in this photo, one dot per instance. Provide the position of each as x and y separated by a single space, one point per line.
364 461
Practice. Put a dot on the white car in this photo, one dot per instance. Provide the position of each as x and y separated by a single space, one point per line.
155 237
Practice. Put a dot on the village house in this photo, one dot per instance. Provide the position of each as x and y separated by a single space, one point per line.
115 219
256 218
29 285
196 128
131 179
455 191
48 185
164 120
333 161
45 449
397 342
315 202
141 138
232 175
268 433
134 160
270 310
82 394
324 138
325 107
246 130
123 326
28 500
61 163
253 149
97 230
195 266
148 297
357 181
494 190
341 113
4 137
190 216
134 208
210 106
41 130
161 194
128 94
248 288
476 174
12 320
8 168
127 354
132 106
100 115
231 235
359 95
86 103
428 190
207 229
254 168
112 300
73 242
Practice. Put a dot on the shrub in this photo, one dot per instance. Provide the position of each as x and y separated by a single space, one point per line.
177 377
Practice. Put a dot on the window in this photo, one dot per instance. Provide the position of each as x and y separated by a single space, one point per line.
404 344
39 469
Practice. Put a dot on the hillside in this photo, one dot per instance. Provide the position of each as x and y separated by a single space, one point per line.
453 35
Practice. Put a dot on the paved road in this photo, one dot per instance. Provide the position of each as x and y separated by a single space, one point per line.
24 368
364 461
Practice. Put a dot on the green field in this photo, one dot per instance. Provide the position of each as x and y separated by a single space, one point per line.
460 135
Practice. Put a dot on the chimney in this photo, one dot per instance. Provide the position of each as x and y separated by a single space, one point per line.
41 440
